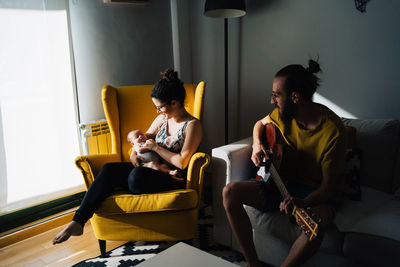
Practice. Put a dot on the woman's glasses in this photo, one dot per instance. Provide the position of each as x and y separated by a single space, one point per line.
158 108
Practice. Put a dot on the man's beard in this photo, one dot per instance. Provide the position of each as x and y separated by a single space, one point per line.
287 111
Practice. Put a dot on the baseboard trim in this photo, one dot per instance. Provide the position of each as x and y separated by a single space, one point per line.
26 231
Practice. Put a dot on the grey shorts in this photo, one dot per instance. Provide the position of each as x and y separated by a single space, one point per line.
272 197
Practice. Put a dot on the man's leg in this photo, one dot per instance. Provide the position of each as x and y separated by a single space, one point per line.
234 195
303 249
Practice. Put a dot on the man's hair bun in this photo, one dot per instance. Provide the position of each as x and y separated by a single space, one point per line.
313 66
169 75
300 79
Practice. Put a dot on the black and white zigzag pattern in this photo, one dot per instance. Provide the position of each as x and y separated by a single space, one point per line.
133 253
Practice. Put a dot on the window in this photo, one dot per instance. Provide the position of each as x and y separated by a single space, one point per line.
38 127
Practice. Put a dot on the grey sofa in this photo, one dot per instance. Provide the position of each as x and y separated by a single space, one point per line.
365 232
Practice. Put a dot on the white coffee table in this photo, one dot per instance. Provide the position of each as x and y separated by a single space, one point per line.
183 255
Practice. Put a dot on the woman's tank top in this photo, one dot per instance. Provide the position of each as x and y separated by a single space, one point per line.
173 143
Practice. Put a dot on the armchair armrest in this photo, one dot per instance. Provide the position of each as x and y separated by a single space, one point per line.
90 165
231 162
195 175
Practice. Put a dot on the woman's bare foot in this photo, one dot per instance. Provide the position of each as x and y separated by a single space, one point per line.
173 174
73 228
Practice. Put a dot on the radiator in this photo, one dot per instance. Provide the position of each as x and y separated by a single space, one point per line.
96 137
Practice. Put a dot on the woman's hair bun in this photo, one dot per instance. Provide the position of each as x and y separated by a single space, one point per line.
169 87
313 66
169 75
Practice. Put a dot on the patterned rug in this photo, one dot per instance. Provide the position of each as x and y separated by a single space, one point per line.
133 253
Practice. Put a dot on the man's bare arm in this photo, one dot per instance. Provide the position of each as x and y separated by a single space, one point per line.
329 189
259 150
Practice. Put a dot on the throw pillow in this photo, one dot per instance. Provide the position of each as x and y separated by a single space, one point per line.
353 164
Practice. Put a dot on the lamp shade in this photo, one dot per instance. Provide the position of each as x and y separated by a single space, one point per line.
225 8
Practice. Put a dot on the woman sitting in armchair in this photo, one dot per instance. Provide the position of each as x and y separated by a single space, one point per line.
174 135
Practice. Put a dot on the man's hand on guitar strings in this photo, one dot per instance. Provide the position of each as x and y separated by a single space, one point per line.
287 205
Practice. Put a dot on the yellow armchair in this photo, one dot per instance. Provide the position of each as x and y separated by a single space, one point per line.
170 215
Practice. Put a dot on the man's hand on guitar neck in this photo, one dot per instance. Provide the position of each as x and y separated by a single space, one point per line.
259 147
259 153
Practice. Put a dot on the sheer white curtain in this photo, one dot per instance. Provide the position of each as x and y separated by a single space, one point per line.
38 132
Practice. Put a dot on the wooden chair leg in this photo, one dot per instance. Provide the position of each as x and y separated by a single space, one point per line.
102 246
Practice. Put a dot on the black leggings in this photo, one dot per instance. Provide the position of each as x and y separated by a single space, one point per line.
138 180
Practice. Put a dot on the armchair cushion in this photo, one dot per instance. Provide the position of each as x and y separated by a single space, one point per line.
118 203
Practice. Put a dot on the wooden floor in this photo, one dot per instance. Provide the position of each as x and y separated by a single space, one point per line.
39 250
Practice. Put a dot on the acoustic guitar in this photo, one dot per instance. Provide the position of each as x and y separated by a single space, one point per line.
306 222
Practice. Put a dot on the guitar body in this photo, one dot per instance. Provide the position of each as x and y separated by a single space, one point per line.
276 145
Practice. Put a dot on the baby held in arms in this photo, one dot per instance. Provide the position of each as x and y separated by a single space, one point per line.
137 139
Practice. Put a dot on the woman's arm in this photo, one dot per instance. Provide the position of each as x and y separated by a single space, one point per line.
193 136
135 159
150 134
154 127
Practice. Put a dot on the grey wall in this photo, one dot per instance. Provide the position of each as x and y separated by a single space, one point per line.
129 44
358 52
207 59
117 44
206 37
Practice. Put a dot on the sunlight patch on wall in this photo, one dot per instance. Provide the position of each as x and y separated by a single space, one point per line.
338 110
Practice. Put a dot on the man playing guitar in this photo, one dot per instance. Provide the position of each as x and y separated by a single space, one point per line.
310 156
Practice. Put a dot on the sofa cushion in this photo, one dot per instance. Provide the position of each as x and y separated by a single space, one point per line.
383 221
276 225
371 250
184 199
377 214
350 212
379 142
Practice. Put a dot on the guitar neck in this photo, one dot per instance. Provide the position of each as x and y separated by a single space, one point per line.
278 181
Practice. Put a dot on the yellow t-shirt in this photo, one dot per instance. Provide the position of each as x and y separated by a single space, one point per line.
317 151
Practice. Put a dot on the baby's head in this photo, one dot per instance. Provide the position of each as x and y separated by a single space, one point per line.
136 136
